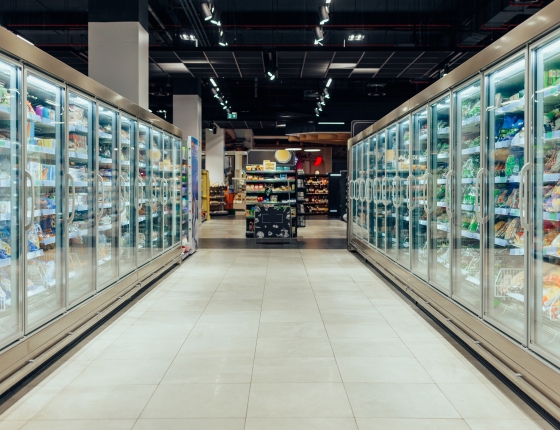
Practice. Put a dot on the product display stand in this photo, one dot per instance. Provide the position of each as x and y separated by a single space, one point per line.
273 222
205 194
217 199
273 187
316 195
300 198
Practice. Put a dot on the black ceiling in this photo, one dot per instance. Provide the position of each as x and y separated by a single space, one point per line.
406 43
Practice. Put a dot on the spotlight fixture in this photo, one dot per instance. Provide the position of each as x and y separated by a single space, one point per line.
216 17
356 37
323 15
445 71
312 150
326 94
294 149
215 93
319 107
185 36
316 112
271 73
213 82
322 100
206 12
329 82
222 40
318 32
228 110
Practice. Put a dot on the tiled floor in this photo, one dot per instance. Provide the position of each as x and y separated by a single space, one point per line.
270 340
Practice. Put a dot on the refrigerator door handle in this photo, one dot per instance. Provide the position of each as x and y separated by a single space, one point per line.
368 190
351 189
123 186
164 185
478 203
426 191
409 191
384 192
68 177
397 193
28 175
523 196
448 199
139 204
100 179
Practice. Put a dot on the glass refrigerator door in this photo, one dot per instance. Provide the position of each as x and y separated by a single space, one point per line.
45 222
466 288
143 192
11 177
81 204
401 209
390 196
176 191
185 196
441 176
505 252
155 157
127 212
108 199
359 189
545 318
167 185
365 186
380 191
353 196
372 232
418 190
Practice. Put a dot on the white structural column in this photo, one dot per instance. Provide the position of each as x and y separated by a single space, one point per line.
118 47
215 154
187 114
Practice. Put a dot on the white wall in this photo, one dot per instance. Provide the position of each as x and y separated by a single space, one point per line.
215 154
187 115
118 58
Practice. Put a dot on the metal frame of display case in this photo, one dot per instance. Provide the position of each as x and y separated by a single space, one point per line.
521 359
33 344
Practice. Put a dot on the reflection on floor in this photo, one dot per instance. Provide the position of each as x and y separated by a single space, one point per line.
270 339
226 227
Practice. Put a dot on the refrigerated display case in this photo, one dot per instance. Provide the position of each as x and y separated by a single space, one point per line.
176 193
483 195
108 196
440 168
46 265
11 249
166 191
81 202
144 237
402 166
156 187
70 204
128 196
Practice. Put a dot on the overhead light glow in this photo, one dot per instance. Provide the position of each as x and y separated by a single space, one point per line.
328 2
312 150
280 125
294 149
206 12
329 82
24 39
331 123
323 15
213 82
356 37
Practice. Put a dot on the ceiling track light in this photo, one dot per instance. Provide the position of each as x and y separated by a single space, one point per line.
319 107
318 32
206 12
271 73
316 112
215 19
222 40
322 100
326 94
213 82
215 93
356 37
323 15
329 82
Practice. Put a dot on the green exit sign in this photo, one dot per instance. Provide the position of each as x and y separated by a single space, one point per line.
232 115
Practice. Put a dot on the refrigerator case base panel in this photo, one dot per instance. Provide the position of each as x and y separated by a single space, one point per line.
525 370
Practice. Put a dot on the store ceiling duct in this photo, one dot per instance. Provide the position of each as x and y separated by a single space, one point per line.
206 12
323 15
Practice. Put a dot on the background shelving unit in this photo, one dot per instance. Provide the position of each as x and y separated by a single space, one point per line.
300 198
217 199
267 184
316 194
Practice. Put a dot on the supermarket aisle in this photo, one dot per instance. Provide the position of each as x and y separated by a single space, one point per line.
270 339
